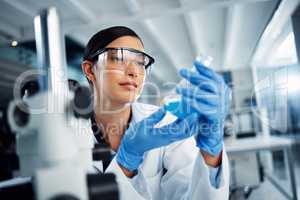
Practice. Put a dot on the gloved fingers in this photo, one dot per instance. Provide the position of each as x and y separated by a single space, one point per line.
200 81
194 77
186 126
197 95
202 69
200 95
179 129
212 129
155 117
203 108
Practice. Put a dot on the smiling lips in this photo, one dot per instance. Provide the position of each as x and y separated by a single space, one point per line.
130 85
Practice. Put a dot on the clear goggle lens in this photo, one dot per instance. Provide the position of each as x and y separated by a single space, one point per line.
120 59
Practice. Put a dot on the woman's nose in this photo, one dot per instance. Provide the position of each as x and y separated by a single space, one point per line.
131 70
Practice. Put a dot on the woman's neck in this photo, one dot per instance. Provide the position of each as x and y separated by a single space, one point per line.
113 120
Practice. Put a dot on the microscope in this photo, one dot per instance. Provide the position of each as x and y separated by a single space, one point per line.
55 152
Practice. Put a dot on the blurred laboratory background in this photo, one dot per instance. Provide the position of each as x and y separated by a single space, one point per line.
255 45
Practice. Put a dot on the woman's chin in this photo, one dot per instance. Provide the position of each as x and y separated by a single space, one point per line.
126 98
127 95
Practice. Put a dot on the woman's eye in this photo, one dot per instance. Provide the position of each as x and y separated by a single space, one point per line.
142 64
116 59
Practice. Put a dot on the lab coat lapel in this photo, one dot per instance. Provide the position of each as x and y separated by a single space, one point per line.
135 116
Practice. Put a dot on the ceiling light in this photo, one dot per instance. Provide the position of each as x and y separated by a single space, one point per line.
14 43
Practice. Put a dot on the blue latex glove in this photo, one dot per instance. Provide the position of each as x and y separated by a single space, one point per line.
209 96
143 136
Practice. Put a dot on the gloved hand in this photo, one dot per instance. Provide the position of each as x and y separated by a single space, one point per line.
210 97
143 136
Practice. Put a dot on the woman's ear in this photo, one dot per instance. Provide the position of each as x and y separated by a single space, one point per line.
87 68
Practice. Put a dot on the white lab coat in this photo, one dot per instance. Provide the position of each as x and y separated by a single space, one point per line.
187 175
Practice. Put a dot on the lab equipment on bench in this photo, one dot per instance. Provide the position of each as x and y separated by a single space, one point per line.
56 159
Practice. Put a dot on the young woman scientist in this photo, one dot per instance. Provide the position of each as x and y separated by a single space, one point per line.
154 161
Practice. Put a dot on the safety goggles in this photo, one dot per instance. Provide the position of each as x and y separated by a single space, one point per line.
121 58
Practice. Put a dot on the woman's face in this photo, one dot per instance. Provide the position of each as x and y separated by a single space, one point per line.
116 86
